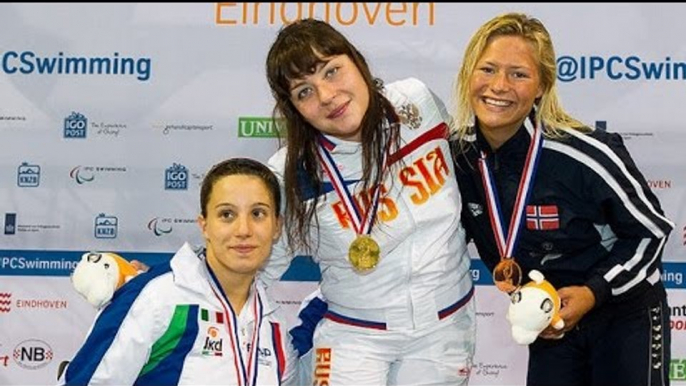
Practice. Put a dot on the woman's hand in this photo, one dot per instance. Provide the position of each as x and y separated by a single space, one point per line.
576 302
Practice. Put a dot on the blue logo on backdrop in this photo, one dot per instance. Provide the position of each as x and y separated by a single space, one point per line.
619 68
75 125
601 125
176 177
28 176
105 227
10 223
29 62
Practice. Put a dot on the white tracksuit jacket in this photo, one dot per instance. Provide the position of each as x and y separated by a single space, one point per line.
423 274
167 327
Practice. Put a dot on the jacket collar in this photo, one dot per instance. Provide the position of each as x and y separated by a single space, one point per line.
339 146
516 144
188 264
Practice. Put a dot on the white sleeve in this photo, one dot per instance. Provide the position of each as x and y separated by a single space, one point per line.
118 343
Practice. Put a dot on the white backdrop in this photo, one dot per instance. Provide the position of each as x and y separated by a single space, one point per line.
110 114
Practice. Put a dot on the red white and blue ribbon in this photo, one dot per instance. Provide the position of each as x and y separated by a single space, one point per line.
246 375
362 222
507 241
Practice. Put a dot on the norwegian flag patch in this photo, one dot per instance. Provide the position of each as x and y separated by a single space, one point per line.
542 217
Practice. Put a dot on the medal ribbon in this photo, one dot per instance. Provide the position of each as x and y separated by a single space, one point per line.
246 375
361 224
506 245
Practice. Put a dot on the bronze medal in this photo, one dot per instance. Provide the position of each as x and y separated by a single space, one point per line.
507 275
364 253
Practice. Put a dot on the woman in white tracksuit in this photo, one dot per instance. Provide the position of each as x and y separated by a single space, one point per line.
202 318
371 194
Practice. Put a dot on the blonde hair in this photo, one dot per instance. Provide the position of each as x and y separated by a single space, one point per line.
549 110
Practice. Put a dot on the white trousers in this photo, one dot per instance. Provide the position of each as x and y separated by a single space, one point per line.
438 355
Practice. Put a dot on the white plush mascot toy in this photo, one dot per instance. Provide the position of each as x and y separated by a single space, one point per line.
534 307
98 275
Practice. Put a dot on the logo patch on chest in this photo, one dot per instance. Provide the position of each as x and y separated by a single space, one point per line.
410 116
213 344
475 209
212 321
542 217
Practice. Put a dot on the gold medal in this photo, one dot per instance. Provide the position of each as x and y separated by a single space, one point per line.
364 253
507 275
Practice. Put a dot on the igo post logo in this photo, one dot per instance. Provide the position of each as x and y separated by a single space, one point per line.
105 227
176 177
75 125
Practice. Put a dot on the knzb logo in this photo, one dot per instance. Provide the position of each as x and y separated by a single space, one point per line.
10 223
75 126
105 227
176 177
32 354
28 176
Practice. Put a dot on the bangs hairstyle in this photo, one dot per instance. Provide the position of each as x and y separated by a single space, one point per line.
299 49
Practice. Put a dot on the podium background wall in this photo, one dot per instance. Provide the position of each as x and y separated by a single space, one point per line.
111 113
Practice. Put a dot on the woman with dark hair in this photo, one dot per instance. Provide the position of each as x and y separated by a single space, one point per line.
201 318
371 194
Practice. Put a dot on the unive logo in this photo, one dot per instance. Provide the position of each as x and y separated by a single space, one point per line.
82 174
10 223
105 227
176 177
256 127
5 302
33 354
75 125
28 176
677 369
160 226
